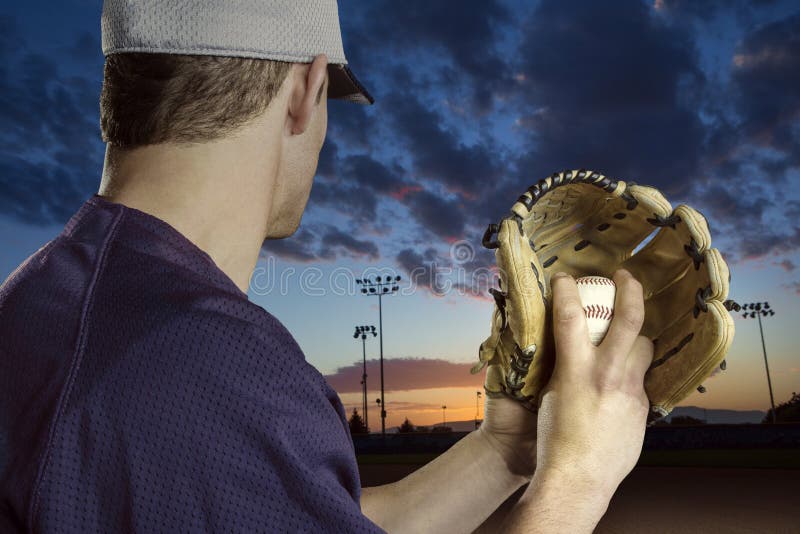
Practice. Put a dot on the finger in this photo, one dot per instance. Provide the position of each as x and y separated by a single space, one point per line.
569 321
639 359
628 318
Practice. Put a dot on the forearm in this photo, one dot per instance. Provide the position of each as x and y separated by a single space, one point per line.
554 503
454 493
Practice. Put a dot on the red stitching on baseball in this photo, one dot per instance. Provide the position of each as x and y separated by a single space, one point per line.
595 281
598 311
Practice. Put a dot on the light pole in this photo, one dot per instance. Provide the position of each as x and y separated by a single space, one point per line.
444 422
380 287
477 411
362 331
757 309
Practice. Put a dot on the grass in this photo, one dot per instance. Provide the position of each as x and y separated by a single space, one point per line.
741 458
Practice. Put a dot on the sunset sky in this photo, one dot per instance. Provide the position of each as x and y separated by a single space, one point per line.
475 101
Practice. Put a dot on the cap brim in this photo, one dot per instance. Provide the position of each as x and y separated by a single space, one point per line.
343 85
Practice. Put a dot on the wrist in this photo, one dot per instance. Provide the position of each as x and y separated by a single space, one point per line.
580 498
519 457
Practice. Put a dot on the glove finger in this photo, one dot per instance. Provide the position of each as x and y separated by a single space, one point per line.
530 349
496 374
672 267
685 354
691 292
521 276
487 349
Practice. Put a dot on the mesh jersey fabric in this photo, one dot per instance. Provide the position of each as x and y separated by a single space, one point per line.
140 391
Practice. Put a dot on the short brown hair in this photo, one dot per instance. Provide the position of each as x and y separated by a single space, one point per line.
157 98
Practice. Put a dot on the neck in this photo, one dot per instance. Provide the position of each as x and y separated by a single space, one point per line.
218 195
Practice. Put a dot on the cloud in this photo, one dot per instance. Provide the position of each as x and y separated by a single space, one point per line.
347 245
350 201
766 81
406 374
372 174
618 89
354 185
437 153
327 162
315 243
442 45
704 11
421 269
299 247
354 126
441 217
751 220
50 149
793 287
86 48
464 271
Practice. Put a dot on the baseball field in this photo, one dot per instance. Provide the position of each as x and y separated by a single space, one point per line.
683 491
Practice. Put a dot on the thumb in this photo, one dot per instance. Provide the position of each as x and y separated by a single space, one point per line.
569 322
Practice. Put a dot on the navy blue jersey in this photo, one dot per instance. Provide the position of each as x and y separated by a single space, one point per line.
141 391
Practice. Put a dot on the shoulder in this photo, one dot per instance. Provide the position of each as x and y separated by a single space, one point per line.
217 333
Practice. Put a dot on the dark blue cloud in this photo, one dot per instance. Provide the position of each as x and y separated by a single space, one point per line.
346 245
298 248
50 149
462 39
610 87
437 153
766 80
315 243
372 174
443 218
354 185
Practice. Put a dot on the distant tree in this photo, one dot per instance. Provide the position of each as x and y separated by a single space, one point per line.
422 429
407 427
686 420
357 425
442 429
787 412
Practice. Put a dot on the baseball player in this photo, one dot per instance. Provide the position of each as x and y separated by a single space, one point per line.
141 391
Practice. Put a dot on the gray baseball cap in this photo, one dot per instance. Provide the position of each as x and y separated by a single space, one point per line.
283 30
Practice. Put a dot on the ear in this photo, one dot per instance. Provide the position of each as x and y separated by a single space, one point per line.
308 82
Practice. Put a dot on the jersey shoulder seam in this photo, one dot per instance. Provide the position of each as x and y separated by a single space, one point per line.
74 366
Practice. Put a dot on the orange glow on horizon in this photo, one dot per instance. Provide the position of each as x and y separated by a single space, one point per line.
422 407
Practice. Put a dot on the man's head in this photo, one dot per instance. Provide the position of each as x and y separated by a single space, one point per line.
201 72
181 100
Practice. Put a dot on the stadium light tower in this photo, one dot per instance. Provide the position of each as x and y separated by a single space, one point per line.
754 310
379 287
361 332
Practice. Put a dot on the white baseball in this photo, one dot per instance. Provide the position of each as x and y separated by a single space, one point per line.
597 296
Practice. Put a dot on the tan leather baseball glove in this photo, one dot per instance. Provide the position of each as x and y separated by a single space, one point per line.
583 223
